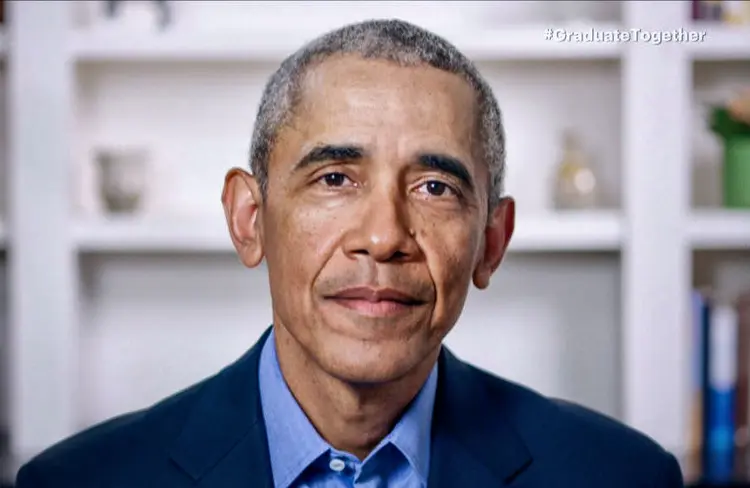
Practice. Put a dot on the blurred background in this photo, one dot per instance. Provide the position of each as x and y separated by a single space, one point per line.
629 162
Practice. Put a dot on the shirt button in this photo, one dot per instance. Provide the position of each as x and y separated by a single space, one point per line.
337 465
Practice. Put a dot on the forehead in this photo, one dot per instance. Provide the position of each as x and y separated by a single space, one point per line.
376 100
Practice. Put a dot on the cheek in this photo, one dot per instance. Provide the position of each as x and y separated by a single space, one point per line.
303 240
451 257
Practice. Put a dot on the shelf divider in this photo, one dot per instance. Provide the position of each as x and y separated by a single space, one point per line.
43 333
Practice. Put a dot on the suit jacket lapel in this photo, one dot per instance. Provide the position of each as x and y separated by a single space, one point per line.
223 442
473 444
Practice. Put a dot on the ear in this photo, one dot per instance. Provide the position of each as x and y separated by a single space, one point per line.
497 236
242 200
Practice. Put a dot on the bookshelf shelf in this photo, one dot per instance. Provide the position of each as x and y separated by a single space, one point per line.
575 231
722 44
720 229
511 43
204 235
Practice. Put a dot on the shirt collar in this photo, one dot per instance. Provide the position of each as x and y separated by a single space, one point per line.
294 443
411 435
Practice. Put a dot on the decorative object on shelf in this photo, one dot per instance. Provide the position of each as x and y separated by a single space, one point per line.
736 12
163 9
742 403
721 357
122 181
739 107
731 123
570 12
707 10
575 182
725 11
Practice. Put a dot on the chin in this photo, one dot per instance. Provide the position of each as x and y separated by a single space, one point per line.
373 362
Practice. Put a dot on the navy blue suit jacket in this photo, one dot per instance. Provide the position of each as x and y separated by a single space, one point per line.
487 432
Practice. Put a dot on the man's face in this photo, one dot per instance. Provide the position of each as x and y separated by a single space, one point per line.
375 220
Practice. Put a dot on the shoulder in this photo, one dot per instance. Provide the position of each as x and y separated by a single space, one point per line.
138 448
109 451
585 444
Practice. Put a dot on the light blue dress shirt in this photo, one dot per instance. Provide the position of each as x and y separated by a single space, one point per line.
301 458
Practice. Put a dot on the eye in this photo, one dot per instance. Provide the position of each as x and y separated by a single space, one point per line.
333 179
438 188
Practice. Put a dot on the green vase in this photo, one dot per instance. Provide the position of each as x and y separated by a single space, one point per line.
736 174
736 165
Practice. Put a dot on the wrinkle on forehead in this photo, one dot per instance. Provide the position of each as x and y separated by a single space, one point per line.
438 101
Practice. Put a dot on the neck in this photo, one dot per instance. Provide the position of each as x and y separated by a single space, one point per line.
352 418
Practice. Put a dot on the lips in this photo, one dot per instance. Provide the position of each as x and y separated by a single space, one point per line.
373 295
382 302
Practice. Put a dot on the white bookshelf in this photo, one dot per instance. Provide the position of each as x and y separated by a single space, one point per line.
722 44
206 235
720 230
513 43
575 231
589 305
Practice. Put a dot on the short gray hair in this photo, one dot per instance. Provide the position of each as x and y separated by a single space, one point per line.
393 40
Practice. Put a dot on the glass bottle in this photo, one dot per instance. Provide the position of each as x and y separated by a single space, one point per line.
575 181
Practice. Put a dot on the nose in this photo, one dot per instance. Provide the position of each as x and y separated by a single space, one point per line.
382 231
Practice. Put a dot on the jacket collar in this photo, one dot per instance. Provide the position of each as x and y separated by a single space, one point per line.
473 441
224 438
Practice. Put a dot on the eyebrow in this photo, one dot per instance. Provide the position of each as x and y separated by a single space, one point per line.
449 165
333 153
330 153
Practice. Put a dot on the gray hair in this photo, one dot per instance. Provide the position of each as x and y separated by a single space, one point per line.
393 40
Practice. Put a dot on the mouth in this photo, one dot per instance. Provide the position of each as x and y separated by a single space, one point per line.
372 302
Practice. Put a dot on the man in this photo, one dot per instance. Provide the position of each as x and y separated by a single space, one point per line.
375 199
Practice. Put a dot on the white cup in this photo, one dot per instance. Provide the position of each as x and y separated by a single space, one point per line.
122 178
